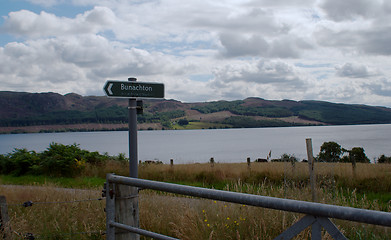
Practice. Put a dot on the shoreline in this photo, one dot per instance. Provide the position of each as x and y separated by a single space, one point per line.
85 127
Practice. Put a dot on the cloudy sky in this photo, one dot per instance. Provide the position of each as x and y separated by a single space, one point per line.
330 50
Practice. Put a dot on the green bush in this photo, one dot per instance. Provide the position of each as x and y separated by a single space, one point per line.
63 160
94 158
19 162
57 160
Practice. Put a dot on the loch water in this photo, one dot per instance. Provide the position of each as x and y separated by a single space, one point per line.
224 145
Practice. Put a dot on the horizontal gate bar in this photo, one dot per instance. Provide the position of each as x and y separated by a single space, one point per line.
142 231
310 208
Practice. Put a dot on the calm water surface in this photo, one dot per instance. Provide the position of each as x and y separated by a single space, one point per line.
225 145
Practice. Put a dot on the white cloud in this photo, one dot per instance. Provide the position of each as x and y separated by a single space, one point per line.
276 49
354 70
25 23
369 41
382 87
266 79
235 45
351 9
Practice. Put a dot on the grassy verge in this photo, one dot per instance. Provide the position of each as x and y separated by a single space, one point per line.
77 182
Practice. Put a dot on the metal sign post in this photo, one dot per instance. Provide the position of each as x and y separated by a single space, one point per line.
133 155
126 197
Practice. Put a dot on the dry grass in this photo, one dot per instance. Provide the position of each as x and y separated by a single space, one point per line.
190 218
48 218
234 170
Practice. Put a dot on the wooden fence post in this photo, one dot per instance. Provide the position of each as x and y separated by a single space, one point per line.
126 210
212 162
249 163
311 168
172 162
354 166
4 219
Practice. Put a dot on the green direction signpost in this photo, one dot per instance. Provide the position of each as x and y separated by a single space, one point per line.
133 89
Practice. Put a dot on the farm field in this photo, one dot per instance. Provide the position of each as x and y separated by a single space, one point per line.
60 211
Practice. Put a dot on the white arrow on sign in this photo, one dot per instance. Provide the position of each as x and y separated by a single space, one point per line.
109 89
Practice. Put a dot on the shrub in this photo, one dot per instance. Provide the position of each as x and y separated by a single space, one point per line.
20 162
121 157
57 160
94 158
4 164
62 160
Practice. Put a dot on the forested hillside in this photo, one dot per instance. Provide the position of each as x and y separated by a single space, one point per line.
20 110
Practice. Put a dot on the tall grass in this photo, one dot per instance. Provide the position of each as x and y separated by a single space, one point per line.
182 217
56 213
193 218
367 177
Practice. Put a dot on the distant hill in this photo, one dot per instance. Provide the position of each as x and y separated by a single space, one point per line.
41 112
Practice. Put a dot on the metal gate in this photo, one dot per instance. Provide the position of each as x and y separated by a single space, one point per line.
317 214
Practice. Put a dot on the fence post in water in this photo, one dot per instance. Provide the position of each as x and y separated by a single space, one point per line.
4 219
311 168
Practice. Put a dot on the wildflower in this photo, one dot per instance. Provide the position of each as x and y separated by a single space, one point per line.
228 218
205 220
203 211
208 225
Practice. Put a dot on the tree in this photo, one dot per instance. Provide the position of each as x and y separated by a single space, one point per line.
384 159
359 155
330 152
183 122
